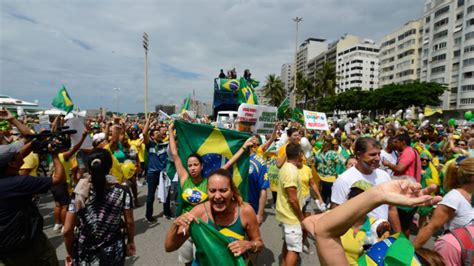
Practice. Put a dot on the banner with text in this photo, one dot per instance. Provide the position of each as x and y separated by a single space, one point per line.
262 117
315 120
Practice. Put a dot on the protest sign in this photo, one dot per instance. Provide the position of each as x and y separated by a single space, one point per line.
262 117
315 120
77 123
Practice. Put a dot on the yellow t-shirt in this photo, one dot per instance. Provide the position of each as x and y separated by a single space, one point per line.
305 175
67 165
116 169
282 152
31 162
353 244
288 177
139 147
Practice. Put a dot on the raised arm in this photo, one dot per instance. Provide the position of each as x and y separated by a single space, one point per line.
442 214
6 115
180 169
248 143
328 227
146 137
269 142
67 155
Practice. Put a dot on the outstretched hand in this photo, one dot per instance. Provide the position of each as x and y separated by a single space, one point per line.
5 114
407 193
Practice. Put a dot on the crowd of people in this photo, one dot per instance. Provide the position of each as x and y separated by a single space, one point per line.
359 189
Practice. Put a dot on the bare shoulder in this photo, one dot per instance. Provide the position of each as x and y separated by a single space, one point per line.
246 211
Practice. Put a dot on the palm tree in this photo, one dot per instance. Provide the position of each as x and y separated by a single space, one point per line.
325 80
274 90
305 90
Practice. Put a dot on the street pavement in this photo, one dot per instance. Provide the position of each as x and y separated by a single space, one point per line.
149 238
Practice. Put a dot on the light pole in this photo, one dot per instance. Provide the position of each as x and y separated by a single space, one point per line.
145 46
293 96
118 100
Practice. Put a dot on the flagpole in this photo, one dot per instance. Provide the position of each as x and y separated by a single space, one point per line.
145 46
293 95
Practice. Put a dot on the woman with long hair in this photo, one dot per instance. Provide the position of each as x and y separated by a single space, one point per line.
456 209
194 185
224 211
97 211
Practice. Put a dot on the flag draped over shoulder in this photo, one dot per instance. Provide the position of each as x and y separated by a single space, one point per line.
229 85
216 146
63 101
283 108
429 111
186 105
247 92
211 246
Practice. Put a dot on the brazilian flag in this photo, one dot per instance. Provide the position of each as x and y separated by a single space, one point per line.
211 246
186 105
229 85
216 146
283 108
298 115
63 101
247 93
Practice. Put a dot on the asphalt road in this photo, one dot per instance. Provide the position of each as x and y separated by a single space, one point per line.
149 238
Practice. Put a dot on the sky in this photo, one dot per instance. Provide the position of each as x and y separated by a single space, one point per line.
94 46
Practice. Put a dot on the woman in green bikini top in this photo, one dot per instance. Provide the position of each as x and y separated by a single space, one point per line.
225 211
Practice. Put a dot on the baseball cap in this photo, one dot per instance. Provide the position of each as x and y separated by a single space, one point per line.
362 184
7 152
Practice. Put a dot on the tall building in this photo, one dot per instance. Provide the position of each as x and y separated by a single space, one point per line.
400 54
310 48
355 60
286 77
448 50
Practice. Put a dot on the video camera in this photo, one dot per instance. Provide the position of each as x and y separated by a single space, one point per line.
49 141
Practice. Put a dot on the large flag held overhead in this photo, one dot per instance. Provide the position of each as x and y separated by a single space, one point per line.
62 100
283 108
247 93
211 246
429 111
298 115
216 146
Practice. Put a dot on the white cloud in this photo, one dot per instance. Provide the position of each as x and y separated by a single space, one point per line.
94 46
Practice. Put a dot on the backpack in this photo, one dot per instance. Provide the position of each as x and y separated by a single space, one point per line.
466 241
17 233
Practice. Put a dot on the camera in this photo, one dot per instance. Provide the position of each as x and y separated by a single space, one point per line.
49 141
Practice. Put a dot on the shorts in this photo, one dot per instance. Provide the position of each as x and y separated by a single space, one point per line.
186 252
293 237
61 194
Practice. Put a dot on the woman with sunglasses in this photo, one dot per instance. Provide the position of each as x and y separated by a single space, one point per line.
456 209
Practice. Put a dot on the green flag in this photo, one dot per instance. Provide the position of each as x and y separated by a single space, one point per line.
297 115
211 246
186 104
63 101
254 83
283 108
246 93
216 146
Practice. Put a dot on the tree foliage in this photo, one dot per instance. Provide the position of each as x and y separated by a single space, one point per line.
274 90
389 97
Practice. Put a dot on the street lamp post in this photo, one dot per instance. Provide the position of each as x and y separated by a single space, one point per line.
118 100
293 96
145 46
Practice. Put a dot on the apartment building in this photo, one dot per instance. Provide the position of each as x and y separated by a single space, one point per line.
448 50
400 54
286 76
310 48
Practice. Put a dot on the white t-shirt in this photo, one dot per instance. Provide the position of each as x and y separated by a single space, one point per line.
342 187
391 157
464 211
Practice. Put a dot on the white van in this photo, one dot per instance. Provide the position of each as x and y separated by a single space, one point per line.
226 119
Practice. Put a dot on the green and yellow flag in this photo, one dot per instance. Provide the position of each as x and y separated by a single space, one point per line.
246 93
211 246
298 115
429 111
283 108
216 146
186 104
63 101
